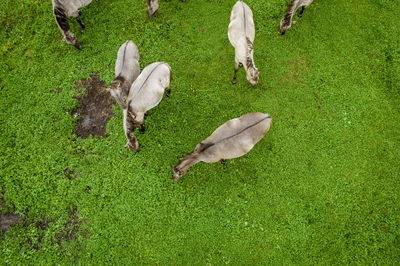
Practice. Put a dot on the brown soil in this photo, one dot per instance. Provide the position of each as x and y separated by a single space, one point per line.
95 107
67 232
7 220
70 174
71 228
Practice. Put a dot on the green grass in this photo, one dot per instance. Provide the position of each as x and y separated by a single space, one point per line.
321 187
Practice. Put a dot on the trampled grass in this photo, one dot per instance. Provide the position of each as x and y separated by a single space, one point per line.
321 187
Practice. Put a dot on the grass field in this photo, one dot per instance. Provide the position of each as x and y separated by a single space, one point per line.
322 187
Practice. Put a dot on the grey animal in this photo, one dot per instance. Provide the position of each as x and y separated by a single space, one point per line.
62 10
287 21
127 69
233 139
152 7
241 34
146 92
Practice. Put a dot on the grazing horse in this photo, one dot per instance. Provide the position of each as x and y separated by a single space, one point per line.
233 139
152 7
241 34
127 69
62 10
287 21
146 93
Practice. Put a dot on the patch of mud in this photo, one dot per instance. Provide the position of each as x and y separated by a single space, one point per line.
42 225
71 228
68 231
95 107
70 174
7 220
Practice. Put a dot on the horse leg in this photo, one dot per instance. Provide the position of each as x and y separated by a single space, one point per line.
152 7
78 18
142 128
301 12
234 75
169 90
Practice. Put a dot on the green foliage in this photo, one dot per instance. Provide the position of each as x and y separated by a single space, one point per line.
321 187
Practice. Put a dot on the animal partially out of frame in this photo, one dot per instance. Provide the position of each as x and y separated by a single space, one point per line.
287 21
62 10
152 7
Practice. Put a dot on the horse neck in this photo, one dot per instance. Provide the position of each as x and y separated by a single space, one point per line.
291 10
190 160
130 124
249 58
249 55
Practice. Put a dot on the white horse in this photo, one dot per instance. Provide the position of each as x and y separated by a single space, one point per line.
152 7
233 139
62 10
241 34
146 92
127 69
287 21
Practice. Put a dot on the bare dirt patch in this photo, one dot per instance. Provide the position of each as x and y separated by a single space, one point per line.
71 228
68 231
43 224
70 174
95 107
7 220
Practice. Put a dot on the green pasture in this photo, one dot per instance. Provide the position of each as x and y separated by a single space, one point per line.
322 187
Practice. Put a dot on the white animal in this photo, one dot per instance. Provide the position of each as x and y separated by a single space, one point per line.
62 10
233 139
127 69
287 21
241 35
146 92
152 7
